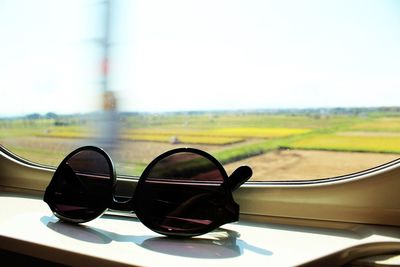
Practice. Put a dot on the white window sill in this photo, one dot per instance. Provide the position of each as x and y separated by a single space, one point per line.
28 227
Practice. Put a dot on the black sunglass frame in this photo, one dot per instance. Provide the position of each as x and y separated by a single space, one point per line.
228 213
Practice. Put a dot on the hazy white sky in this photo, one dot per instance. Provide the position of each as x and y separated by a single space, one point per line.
199 55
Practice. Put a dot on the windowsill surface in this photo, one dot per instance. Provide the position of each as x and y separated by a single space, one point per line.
28 227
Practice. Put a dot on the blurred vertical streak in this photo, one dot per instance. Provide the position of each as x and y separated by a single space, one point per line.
108 134
105 42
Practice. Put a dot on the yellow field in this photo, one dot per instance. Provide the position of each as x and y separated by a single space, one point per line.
383 143
187 139
371 138
68 132
387 124
257 132
219 136
243 132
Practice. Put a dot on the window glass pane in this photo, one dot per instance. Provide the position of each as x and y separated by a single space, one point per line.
298 90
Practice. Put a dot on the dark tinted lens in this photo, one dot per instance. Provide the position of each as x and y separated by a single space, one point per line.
187 166
82 186
181 195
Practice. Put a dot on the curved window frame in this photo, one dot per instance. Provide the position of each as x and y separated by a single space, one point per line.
367 197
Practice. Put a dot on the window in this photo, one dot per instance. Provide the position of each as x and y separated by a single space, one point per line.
298 90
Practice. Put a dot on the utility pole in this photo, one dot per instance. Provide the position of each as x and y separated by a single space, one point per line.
109 101
109 122
105 43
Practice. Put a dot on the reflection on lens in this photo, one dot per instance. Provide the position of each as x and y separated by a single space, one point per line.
83 186
186 166
181 194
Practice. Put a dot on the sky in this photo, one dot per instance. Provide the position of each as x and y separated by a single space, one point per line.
199 55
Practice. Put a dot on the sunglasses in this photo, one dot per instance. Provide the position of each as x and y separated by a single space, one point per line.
182 192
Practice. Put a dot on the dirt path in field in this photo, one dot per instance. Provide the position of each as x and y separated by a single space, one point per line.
276 165
307 164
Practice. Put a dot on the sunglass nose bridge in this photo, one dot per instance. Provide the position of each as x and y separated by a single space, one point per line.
238 177
122 204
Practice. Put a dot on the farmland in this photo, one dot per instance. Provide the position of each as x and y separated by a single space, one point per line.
277 145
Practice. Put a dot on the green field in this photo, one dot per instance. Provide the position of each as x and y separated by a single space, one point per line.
229 136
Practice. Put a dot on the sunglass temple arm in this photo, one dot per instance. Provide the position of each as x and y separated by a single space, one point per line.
239 177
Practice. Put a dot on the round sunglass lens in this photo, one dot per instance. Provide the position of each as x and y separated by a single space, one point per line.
82 186
180 194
